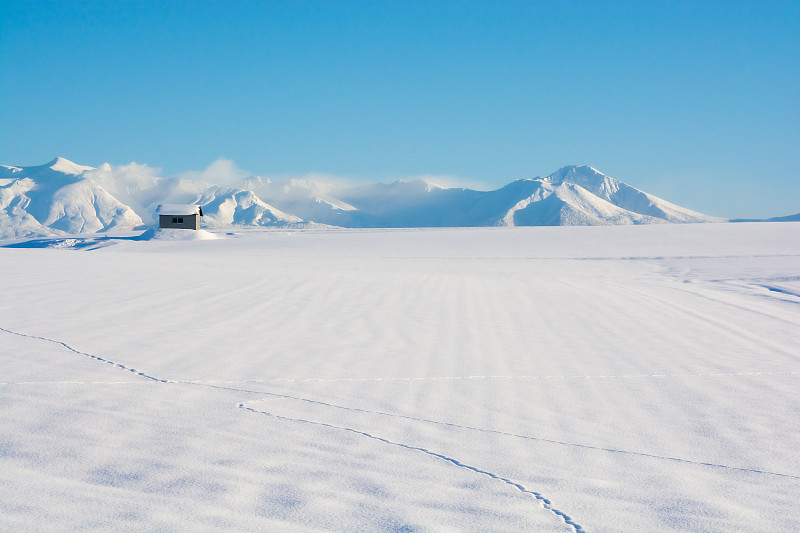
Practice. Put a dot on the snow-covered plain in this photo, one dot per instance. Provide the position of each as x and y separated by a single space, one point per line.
624 378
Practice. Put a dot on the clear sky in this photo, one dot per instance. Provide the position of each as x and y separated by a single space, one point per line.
696 102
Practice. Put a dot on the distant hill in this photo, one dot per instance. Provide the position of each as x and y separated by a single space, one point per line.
789 218
62 197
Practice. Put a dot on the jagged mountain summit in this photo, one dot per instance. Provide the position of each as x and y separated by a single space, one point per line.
62 197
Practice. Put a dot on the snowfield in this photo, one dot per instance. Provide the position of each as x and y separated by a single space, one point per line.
584 379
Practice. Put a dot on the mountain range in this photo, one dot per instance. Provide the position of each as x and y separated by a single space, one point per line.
62 197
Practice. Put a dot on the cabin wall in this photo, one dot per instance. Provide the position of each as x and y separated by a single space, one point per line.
189 221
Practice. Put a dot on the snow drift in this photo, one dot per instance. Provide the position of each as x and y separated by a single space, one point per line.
169 234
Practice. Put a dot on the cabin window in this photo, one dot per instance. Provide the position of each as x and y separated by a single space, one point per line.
177 220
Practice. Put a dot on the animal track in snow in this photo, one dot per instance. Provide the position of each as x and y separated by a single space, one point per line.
91 356
543 501
526 437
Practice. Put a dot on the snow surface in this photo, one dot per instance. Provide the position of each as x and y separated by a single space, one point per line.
597 379
178 209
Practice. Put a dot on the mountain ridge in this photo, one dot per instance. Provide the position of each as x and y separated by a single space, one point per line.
62 197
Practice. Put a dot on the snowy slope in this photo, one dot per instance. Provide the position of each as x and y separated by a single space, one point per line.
15 221
545 379
65 197
569 204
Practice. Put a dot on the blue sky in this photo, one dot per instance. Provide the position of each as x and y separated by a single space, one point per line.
696 102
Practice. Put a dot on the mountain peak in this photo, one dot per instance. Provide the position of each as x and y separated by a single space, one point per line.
575 170
61 164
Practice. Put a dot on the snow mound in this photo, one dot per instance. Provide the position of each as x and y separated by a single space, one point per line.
169 234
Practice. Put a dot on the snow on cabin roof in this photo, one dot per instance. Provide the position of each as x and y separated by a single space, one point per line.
178 209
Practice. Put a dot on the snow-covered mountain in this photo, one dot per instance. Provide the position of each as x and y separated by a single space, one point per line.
58 198
62 197
622 195
231 206
571 196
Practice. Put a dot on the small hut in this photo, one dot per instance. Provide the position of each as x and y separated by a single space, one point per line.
181 216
